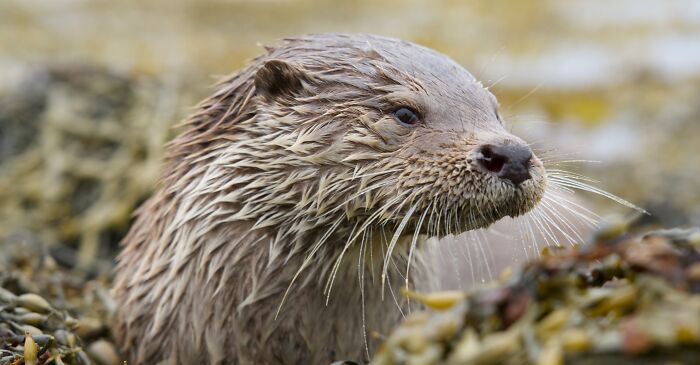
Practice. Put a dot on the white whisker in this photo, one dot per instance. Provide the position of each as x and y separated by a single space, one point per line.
393 242
306 261
414 242
336 265
586 187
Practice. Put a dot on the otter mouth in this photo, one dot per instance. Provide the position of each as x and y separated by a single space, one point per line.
512 202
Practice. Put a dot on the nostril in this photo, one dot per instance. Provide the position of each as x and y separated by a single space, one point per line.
491 160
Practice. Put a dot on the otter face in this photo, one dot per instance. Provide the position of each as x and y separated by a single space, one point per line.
399 132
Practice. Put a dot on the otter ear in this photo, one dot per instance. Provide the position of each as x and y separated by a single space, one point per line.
276 78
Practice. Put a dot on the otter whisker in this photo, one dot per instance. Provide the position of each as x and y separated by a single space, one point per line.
468 257
455 263
396 301
590 222
547 225
472 236
584 214
569 174
448 220
308 259
496 82
367 225
403 202
372 218
555 214
554 186
336 265
393 242
445 219
451 222
414 242
396 266
361 277
440 214
476 241
530 93
534 243
457 219
431 223
521 234
550 221
540 231
548 155
559 196
472 223
543 232
555 163
531 227
489 254
586 187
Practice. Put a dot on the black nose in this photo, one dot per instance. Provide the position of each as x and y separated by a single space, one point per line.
511 162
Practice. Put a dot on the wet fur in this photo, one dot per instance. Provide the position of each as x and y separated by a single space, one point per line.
293 180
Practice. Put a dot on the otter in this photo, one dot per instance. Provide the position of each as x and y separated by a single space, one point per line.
295 203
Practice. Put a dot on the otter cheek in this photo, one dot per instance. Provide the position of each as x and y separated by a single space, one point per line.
392 133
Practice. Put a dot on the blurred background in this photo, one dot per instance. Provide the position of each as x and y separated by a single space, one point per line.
91 89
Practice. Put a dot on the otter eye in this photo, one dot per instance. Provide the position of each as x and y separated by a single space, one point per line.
406 116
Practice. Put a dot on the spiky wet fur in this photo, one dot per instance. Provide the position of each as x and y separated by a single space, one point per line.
284 221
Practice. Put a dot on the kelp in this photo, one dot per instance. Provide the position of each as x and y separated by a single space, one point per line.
620 299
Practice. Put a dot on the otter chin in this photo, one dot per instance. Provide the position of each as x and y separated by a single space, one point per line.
299 194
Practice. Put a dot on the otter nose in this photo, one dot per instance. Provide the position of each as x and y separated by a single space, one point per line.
510 162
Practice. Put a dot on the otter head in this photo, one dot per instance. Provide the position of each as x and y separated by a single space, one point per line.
382 131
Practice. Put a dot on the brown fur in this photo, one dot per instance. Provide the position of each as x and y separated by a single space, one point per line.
294 189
